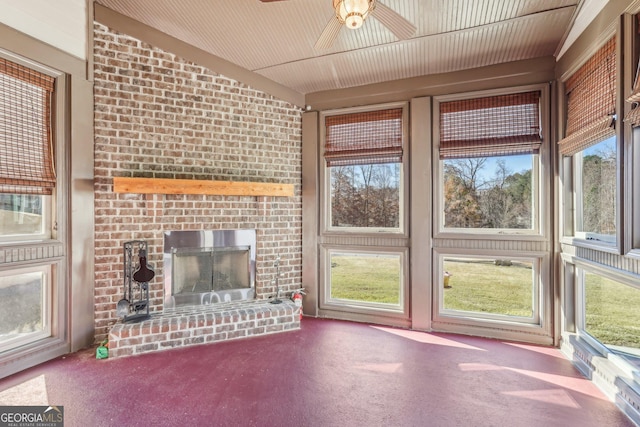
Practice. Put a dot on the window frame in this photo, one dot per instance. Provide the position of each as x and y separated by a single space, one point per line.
631 144
325 177
540 183
46 250
569 170
578 219
50 204
632 207
584 266
570 181
538 329
538 311
400 310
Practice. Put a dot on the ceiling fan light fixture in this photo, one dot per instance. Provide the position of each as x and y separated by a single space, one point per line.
354 20
352 13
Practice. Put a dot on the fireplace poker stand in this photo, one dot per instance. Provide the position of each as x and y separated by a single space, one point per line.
136 292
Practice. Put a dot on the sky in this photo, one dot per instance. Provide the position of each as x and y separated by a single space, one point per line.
515 164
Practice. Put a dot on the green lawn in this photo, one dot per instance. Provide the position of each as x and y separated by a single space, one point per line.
612 311
368 278
482 287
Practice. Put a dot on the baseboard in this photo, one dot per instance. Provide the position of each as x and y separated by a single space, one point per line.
615 378
34 354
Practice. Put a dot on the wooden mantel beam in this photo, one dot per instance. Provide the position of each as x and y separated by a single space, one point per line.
192 186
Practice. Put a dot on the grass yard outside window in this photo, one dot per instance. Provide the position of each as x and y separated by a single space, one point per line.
611 313
488 286
369 278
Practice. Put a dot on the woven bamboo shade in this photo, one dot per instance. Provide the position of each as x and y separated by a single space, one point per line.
26 163
26 160
591 101
633 116
501 125
370 137
635 93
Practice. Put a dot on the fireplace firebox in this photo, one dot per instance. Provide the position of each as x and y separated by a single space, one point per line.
208 267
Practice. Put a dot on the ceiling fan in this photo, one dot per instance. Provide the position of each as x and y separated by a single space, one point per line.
352 13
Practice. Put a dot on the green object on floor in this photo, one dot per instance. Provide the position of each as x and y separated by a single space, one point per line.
102 352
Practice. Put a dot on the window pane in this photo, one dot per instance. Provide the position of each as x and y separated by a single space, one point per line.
611 313
365 195
21 305
21 214
501 286
597 194
489 192
370 278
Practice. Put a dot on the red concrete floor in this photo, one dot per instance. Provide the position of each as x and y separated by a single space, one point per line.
329 373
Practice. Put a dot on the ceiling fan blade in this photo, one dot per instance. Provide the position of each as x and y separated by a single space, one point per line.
329 34
399 26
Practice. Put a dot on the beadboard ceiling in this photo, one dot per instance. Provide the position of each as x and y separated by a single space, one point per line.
276 39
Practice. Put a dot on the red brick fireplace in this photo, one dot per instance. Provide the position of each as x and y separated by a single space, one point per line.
160 116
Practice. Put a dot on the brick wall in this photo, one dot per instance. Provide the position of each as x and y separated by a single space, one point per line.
157 115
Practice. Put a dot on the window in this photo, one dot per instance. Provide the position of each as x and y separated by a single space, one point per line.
632 216
489 161
29 286
596 172
363 254
27 174
610 314
490 270
363 154
366 278
592 144
492 288
24 215
365 196
24 308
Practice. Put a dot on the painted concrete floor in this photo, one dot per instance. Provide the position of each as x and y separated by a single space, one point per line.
329 373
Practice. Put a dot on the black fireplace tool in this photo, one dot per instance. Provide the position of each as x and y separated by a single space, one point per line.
134 306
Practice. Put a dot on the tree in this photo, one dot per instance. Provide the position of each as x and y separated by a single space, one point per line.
386 182
507 201
599 191
461 206
365 195
520 191
473 201
341 192
467 170
461 184
367 174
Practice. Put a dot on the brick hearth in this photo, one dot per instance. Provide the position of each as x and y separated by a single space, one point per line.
185 326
